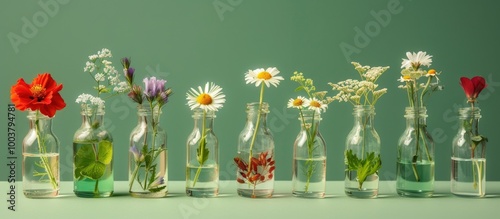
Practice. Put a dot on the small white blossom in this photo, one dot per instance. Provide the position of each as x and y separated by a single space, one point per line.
99 77
121 87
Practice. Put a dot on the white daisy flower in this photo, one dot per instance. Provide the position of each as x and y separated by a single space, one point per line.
315 104
268 76
211 98
297 102
404 78
415 60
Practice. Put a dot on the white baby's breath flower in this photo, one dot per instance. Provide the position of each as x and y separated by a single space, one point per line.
99 77
121 87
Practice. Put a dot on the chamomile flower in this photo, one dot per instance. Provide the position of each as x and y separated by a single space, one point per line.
210 98
405 78
415 60
268 76
315 104
296 102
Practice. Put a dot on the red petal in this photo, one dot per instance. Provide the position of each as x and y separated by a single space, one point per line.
270 176
271 169
468 87
243 174
479 84
240 180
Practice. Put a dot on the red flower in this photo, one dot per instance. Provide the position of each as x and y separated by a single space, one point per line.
42 94
472 87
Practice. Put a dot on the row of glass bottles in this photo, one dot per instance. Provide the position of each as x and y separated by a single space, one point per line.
93 164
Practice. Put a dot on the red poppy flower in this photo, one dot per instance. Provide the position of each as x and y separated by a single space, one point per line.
42 94
472 87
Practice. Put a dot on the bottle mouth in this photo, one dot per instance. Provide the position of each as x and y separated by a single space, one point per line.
37 115
412 112
198 113
363 110
89 110
255 106
468 112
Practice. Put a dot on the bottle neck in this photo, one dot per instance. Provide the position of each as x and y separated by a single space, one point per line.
39 122
469 119
148 117
415 116
203 119
92 116
309 120
363 116
257 114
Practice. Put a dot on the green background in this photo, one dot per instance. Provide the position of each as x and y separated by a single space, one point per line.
192 42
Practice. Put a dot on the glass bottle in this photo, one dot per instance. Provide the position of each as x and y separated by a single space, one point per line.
309 158
92 155
362 155
415 160
148 175
468 159
40 158
202 168
255 160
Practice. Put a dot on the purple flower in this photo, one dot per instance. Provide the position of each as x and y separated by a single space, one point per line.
138 156
153 87
158 182
126 62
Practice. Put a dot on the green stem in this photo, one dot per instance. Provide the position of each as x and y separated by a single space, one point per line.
43 151
256 128
96 187
201 148
134 174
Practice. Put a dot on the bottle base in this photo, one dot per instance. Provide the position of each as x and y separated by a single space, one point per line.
258 193
202 192
356 193
41 193
468 195
415 193
148 194
301 194
93 195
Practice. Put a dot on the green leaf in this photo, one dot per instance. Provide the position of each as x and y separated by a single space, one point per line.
363 167
87 164
94 170
105 152
299 88
202 152
157 189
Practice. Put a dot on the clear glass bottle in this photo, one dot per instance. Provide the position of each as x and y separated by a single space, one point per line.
148 175
202 167
415 160
92 155
255 160
468 159
309 158
362 155
40 158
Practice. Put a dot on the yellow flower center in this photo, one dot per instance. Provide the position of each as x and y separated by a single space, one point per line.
264 75
431 72
37 90
315 104
407 77
204 99
298 102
